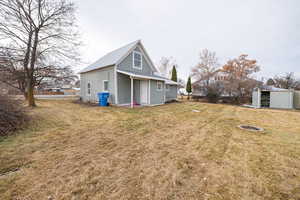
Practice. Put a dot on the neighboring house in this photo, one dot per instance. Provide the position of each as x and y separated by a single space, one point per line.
198 87
52 87
130 77
272 97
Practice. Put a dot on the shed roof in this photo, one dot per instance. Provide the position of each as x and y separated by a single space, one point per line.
274 89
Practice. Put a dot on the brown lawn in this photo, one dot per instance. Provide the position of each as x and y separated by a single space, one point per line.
73 151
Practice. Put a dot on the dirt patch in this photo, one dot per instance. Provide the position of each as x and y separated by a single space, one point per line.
251 128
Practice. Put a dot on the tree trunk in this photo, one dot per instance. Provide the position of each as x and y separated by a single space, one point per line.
25 96
30 94
30 82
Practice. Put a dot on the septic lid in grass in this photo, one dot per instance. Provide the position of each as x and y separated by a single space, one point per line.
250 128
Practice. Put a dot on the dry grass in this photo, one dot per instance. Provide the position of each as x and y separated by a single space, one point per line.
73 151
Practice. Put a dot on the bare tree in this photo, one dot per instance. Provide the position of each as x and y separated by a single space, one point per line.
37 38
206 68
287 81
181 83
165 66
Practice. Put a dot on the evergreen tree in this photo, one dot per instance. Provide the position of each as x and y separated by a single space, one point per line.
189 87
174 74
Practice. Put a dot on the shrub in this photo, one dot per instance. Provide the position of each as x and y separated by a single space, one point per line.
12 115
214 92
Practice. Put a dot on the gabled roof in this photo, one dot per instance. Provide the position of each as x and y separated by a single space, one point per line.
117 56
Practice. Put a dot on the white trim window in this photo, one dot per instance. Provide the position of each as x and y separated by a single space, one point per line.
159 86
137 60
89 89
167 87
105 85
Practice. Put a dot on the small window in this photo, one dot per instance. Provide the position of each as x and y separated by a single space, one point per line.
159 86
167 87
105 85
137 60
89 89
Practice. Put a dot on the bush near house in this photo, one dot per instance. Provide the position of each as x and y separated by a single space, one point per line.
12 115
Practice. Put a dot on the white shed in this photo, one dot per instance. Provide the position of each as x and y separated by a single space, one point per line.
272 97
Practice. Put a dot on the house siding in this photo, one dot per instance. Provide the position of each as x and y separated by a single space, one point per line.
136 91
156 96
127 65
96 78
171 94
124 89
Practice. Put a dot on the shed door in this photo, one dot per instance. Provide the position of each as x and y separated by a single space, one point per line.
144 92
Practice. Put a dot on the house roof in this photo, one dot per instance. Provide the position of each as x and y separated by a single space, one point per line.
170 82
117 56
153 77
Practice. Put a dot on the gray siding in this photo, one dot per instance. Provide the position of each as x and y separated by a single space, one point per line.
171 94
123 88
136 91
96 78
156 96
127 65
281 100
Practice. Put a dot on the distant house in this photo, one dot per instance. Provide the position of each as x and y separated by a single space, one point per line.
220 77
272 97
130 77
51 87
198 88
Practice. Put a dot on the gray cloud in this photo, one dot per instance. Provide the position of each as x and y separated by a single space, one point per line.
267 30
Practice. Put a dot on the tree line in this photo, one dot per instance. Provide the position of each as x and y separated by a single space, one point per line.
235 79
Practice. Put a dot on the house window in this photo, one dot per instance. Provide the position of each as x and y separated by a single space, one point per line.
167 87
159 86
89 89
137 60
105 85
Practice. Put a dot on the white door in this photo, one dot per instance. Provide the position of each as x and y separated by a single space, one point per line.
144 92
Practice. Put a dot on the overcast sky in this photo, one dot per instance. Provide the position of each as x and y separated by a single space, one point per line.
266 30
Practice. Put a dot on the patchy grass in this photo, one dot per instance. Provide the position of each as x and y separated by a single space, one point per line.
73 151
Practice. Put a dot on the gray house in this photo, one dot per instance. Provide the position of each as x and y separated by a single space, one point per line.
130 77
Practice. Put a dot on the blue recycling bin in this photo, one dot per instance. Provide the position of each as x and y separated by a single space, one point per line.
103 98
